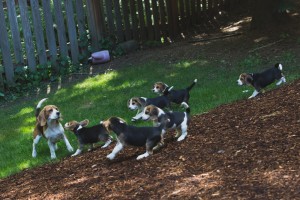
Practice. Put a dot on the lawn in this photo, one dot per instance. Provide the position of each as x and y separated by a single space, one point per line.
106 95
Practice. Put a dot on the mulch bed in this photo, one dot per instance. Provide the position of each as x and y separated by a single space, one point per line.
246 150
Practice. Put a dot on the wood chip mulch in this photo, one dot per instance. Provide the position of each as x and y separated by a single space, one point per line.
249 149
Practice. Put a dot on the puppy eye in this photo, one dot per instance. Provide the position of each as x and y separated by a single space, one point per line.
51 110
133 103
157 87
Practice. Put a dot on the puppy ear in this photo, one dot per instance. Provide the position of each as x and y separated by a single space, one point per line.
42 118
249 79
84 122
141 101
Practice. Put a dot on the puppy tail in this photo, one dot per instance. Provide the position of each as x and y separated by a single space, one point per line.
279 66
186 106
38 107
192 85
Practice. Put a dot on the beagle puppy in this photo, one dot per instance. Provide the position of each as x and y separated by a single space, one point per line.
48 126
175 96
263 79
176 119
139 103
134 136
88 135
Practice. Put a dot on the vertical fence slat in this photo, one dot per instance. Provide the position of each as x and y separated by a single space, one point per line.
118 18
109 9
149 20
81 18
134 20
156 19
125 8
61 30
141 20
92 25
27 35
4 45
188 13
38 31
15 31
72 30
50 35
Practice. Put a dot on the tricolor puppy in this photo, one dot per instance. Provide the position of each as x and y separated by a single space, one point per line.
134 136
48 125
177 120
263 79
139 103
175 96
88 135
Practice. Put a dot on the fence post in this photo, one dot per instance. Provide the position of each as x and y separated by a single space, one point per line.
27 35
72 31
51 41
15 32
38 30
4 45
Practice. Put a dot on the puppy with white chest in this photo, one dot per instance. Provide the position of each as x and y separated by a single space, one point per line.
261 80
175 96
134 136
88 135
177 120
48 125
139 103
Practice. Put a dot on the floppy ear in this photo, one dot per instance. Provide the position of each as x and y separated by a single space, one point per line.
141 101
84 122
249 79
42 118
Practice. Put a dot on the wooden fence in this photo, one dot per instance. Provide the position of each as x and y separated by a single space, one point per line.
34 32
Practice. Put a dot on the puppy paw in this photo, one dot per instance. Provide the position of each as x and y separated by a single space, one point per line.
70 149
110 156
133 119
53 156
33 154
182 137
142 156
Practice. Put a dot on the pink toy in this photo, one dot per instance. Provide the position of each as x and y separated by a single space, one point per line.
100 57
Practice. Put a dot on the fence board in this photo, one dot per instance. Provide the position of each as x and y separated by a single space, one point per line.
61 30
51 41
4 45
141 18
38 31
127 27
81 18
118 18
27 35
15 32
91 20
110 17
149 20
156 19
72 30
134 20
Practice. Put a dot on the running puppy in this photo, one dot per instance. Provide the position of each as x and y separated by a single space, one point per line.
134 136
175 96
88 135
177 120
263 79
139 103
48 125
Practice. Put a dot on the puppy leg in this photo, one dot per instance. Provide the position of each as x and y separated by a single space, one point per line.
78 151
282 80
161 142
149 151
69 147
116 150
254 94
91 147
35 142
52 149
137 117
183 133
107 143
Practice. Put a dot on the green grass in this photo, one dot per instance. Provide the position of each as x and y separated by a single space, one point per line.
106 95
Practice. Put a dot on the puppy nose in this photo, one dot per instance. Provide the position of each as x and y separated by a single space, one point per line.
58 113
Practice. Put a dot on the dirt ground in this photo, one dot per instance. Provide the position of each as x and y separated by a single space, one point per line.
249 149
